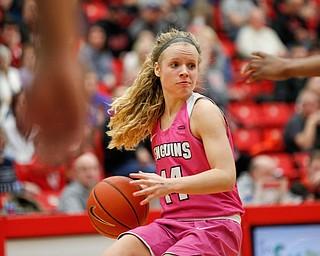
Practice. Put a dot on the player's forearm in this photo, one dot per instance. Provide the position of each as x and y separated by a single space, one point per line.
57 23
208 182
307 67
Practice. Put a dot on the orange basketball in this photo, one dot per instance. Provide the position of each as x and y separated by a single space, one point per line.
112 208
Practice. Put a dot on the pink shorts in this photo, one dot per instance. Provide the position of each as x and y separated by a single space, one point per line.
191 238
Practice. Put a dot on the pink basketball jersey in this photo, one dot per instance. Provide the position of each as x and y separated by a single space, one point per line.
178 153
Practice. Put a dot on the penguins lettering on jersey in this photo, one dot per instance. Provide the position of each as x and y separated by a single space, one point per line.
173 149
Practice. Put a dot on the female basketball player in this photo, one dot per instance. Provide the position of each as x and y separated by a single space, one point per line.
192 147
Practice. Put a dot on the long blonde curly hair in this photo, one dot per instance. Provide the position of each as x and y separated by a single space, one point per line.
136 112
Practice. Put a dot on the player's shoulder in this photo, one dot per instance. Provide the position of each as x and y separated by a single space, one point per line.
207 113
205 105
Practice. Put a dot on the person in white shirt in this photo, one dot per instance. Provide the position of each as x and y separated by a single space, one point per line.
9 80
256 35
87 173
20 146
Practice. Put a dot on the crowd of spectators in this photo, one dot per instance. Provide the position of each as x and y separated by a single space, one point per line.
114 37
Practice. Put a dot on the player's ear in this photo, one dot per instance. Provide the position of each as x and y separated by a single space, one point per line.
156 69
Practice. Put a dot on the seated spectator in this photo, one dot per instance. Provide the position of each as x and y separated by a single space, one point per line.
9 80
256 35
87 173
177 15
235 14
13 198
41 182
302 132
116 28
8 178
291 25
95 56
262 183
20 146
309 186
10 36
150 18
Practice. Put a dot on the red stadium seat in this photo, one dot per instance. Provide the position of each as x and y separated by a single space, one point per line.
275 135
275 114
245 139
264 115
271 142
246 115
95 10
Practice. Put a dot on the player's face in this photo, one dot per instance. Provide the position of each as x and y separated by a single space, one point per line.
178 69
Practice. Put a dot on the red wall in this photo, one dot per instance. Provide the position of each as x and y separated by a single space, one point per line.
61 225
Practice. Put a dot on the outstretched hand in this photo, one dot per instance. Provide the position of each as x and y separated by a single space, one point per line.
265 66
153 186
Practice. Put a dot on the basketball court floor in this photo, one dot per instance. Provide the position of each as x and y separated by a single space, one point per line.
81 245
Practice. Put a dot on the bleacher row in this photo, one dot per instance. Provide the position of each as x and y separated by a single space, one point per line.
258 126
259 130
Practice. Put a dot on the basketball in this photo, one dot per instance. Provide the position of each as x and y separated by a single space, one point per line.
112 209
